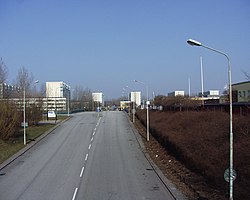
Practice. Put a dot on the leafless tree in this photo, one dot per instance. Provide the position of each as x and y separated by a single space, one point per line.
3 71
247 75
24 80
81 98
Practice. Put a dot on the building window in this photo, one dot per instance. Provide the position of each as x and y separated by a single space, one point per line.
240 94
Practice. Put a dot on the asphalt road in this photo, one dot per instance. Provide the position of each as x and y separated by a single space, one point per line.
87 157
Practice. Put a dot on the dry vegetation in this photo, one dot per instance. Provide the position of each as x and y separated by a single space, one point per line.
11 117
200 141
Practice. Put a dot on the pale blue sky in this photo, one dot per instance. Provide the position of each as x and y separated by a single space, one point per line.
106 44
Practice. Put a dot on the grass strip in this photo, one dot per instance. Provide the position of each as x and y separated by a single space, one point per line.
12 146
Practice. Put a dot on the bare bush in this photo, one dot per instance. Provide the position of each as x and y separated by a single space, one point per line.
177 103
34 114
9 120
200 140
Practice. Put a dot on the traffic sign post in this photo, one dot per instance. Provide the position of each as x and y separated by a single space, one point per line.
227 175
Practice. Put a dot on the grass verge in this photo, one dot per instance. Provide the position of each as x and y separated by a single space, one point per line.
12 146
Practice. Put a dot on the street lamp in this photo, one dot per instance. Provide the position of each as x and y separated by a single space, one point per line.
196 43
24 114
146 108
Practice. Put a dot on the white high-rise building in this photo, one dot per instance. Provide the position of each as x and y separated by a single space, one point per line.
57 89
57 96
136 97
98 97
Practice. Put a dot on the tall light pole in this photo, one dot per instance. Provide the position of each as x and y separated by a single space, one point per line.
24 114
146 108
24 120
196 43
124 89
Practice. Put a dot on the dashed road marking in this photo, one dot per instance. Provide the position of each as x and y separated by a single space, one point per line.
82 171
89 146
74 196
86 157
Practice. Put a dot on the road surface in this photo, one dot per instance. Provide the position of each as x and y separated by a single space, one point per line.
88 157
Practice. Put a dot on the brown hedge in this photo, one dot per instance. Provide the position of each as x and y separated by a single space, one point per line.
200 140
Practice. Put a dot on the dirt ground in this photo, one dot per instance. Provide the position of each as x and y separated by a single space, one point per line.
191 184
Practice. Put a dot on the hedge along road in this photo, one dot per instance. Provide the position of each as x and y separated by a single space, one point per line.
87 157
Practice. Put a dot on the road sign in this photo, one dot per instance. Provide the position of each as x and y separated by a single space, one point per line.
51 114
26 124
227 175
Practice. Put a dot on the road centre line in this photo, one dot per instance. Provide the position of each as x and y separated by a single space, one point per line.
86 157
89 146
92 139
93 133
74 196
82 171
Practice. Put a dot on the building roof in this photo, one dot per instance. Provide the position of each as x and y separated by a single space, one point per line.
240 83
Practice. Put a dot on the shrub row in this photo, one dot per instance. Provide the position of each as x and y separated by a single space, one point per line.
200 140
11 117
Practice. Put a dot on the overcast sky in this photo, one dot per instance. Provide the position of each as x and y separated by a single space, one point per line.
106 44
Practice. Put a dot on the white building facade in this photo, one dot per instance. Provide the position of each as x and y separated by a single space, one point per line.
98 97
57 96
136 97
57 89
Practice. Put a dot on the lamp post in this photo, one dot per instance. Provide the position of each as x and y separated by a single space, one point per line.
146 108
124 90
24 114
196 43
133 106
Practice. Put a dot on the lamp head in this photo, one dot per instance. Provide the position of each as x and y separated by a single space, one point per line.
194 42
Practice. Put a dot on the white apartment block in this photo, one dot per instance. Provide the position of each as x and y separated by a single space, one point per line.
57 96
136 97
98 97
57 89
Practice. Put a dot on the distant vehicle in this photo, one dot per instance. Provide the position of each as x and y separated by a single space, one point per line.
98 109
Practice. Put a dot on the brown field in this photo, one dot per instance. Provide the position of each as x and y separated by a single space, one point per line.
200 141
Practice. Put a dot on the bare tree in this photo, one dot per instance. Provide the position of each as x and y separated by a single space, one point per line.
3 71
24 80
247 75
81 98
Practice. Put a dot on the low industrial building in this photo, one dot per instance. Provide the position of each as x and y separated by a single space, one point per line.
176 93
242 90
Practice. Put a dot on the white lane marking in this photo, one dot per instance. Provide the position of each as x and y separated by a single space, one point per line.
89 146
95 129
93 133
74 196
86 157
92 139
82 172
